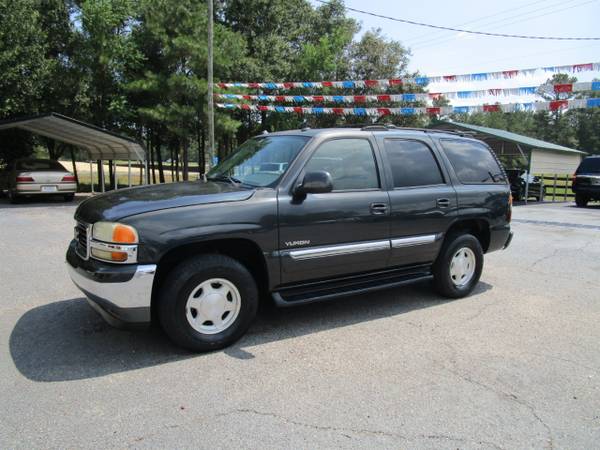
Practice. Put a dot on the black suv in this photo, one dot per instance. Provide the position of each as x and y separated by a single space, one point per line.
298 217
586 181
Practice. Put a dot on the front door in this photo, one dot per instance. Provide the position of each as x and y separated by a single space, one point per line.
423 201
341 232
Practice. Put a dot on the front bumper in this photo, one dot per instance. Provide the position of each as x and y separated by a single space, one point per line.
120 293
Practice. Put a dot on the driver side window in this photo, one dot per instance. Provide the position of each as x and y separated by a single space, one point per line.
350 162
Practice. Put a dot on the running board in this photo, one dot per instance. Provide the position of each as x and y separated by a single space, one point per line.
341 287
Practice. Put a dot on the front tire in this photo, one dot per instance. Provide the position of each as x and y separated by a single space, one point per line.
581 200
458 267
207 302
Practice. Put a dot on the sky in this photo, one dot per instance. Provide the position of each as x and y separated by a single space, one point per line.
437 52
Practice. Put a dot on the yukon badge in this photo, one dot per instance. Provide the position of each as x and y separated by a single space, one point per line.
297 243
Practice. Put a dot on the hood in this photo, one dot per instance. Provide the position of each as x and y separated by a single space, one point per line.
116 205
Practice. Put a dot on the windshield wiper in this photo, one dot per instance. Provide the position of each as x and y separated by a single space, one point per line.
223 177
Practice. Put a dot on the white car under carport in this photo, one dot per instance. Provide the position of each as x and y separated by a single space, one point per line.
35 177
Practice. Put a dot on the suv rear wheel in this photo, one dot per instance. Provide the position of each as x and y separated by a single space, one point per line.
581 200
458 267
207 302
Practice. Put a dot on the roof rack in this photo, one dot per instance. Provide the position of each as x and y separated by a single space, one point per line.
389 127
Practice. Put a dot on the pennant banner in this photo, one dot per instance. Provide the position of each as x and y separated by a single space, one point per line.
528 90
351 84
508 107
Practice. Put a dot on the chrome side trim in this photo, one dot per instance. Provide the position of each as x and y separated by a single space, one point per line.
135 293
414 240
337 250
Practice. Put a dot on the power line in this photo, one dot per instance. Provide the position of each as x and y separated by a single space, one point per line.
481 33
525 19
426 37
524 16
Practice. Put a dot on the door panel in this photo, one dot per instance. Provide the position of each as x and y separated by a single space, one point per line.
339 229
340 232
420 214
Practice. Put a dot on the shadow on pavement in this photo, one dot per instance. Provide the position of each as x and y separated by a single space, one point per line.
46 202
67 340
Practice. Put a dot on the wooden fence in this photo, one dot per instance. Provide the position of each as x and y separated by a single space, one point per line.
556 188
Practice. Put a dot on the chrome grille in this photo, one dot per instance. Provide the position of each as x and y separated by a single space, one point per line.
83 240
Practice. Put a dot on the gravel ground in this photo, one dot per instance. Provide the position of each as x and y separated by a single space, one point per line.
515 365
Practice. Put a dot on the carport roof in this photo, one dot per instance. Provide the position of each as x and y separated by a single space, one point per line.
508 136
99 142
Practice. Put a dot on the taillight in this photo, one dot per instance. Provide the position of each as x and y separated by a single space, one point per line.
573 179
24 180
69 178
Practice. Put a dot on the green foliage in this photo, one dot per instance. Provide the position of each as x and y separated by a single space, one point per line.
23 62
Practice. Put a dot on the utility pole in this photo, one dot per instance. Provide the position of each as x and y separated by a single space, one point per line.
211 107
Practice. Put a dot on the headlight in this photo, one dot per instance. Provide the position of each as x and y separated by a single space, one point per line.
116 233
114 242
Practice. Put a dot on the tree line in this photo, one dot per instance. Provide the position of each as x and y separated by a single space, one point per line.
138 67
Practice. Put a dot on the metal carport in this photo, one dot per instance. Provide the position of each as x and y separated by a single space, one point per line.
99 143
535 155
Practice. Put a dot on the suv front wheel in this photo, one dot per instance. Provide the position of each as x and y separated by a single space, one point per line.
458 267
207 302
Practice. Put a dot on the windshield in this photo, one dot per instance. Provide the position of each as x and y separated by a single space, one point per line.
45 165
260 161
589 165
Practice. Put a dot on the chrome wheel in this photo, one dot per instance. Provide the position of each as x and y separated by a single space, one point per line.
462 267
213 306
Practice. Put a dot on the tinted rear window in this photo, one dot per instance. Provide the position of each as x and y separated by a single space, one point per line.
473 162
412 163
589 165
45 165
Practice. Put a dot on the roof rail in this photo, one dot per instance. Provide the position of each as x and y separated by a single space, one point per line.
375 128
388 127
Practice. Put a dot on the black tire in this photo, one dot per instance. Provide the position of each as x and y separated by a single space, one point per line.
442 279
12 197
179 285
581 200
69 197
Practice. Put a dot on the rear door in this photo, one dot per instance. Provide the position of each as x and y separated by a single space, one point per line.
423 200
341 232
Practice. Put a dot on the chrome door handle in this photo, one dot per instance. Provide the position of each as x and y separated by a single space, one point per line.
379 208
443 202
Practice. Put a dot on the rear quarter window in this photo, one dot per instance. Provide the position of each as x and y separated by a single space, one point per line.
473 162
589 165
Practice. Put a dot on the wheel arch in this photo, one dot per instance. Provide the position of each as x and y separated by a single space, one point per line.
245 251
480 228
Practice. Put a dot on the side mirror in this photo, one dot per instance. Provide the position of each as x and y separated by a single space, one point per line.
317 182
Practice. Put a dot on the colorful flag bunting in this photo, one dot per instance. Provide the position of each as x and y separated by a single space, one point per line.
520 91
359 111
351 84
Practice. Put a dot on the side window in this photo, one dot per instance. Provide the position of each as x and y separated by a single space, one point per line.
350 162
473 162
412 163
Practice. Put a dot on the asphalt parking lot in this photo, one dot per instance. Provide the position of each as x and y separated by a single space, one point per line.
515 365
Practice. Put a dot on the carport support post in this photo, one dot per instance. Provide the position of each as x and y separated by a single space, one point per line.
527 178
101 167
115 175
92 175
